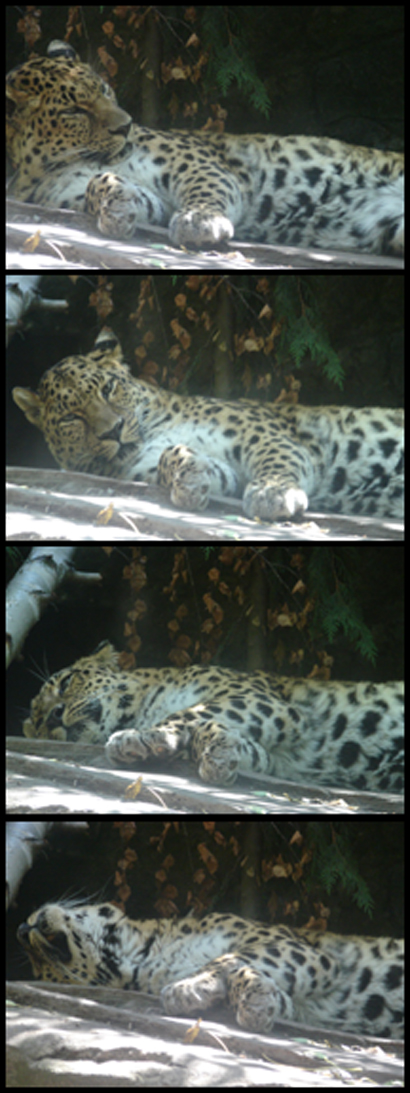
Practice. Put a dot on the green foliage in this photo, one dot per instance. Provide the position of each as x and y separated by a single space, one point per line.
230 61
207 551
334 864
14 555
303 331
339 613
337 606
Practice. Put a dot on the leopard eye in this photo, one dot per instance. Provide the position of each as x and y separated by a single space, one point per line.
70 111
64 684
57 714
108 387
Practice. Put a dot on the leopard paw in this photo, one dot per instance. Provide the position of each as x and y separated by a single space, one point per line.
273 502
200 228
121 206
187 477
217 755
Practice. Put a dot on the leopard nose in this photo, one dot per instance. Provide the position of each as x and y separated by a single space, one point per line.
122 129
118 120
114 433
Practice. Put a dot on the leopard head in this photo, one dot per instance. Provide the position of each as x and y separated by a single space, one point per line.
57 111
86 407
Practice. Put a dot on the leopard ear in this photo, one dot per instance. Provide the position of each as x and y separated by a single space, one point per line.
30 404
106 654
107 342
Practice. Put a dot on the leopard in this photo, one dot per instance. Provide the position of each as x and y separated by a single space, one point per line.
71 146
227 722
278 459
263 973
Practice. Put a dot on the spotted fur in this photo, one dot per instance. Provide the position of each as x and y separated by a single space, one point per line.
264 973
342 734
280 459
72 146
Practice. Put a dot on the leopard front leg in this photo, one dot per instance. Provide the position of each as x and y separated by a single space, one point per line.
256 1000
282 485
221 753
169 739
120 207
217 752
192 479
200 227
208 201
214 750
272 500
